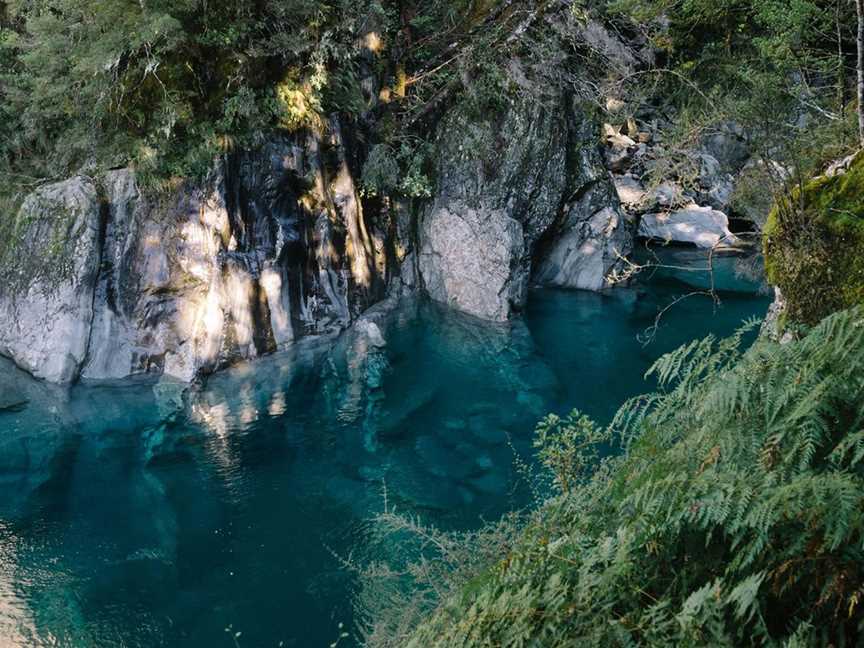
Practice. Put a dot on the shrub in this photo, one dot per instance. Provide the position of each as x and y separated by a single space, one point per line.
733 515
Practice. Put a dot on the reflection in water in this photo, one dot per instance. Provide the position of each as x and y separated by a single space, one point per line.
140 514
17 627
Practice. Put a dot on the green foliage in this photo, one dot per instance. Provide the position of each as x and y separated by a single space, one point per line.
416 566
487 93
166 84
733 516
405 170
814 245
782 70
569 448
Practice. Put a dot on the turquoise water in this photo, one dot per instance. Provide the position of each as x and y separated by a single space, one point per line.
134 515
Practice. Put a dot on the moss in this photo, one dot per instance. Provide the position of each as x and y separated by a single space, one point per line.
39 242
814 245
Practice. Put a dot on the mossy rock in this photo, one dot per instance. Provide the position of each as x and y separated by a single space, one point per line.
814 245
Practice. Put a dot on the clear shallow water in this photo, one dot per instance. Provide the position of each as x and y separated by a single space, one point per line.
131 515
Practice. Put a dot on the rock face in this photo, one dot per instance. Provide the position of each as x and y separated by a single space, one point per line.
108 281
521 194
472 259
273 246
591 246
684 198
48 282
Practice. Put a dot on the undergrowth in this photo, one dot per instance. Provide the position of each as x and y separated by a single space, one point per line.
732 515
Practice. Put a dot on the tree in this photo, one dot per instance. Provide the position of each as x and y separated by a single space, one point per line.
166 84
859 6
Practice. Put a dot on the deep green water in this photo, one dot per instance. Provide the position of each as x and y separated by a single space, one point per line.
133 516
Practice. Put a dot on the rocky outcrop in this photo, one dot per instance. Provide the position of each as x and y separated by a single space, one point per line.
47 283
521 194
691 204
702 226
111 282
472 259
108 280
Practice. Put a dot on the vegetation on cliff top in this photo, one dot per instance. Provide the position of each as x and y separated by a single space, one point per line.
814 245
167 85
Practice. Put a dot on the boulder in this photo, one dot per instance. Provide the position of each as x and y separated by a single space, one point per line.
472 260
630 191
593 243
728 144
700 226
716 186
48 280
620 149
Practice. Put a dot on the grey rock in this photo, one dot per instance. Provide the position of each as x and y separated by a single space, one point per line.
630 191
274 245
619 150
771 324
619 158
666 195
700 226
471 260
587 252
522 193
729 145
47 288
717 187
839 167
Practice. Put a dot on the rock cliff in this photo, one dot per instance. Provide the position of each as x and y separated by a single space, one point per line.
522 194
106 282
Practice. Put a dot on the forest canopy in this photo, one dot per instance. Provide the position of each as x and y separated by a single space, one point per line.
167 85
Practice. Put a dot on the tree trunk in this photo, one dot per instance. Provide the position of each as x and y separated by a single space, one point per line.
841 60
859 5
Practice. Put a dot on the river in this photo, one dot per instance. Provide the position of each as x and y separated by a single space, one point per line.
132 514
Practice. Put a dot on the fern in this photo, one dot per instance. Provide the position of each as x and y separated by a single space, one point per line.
733 515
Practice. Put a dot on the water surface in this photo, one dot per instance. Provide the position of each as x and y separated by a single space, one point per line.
132 514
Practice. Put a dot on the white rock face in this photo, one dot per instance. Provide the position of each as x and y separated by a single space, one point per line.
467 258
701 226
46 297
115 284
585 254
